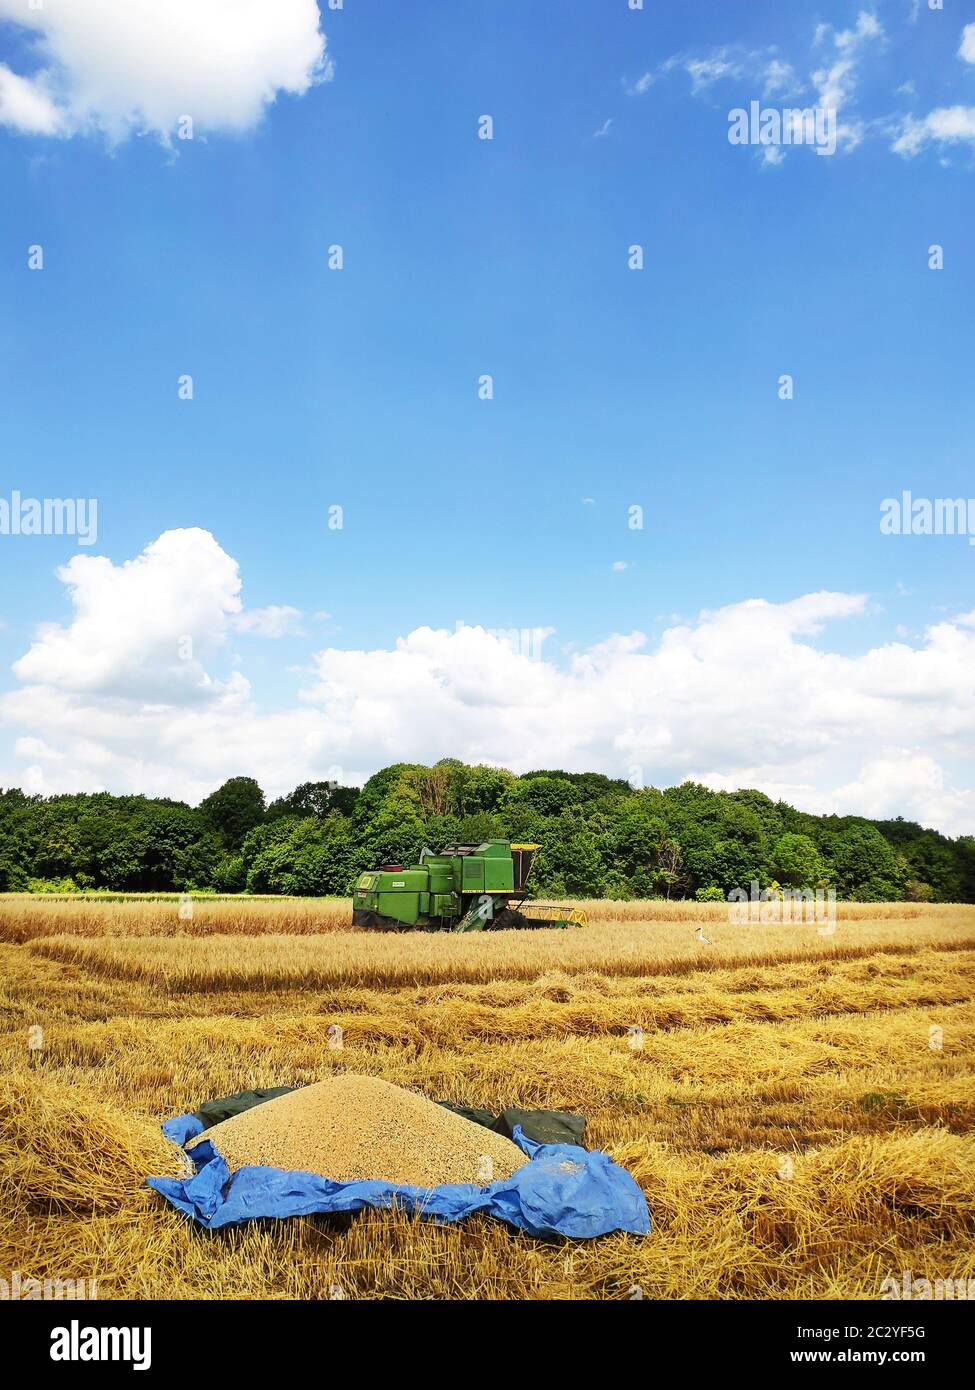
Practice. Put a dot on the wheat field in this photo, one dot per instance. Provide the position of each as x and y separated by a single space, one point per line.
797 1105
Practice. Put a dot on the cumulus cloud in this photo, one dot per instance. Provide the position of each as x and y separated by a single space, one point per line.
914 782
946 125
141 629
744 695
146 64
145 629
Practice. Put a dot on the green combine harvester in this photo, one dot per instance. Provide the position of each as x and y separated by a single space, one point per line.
465 888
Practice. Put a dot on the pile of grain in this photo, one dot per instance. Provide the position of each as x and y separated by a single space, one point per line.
351 1127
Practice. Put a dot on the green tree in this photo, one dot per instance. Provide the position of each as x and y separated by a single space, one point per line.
547 795
317 799
796 862
865 865
597 835
234 809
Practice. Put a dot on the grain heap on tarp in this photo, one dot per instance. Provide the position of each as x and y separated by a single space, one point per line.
355 1142
351 1128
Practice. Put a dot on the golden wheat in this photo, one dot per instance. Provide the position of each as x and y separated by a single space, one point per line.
394 959
24 917
798 1109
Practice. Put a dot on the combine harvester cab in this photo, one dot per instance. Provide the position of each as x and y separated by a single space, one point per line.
464 888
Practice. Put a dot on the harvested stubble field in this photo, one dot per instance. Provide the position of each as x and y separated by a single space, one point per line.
798 1107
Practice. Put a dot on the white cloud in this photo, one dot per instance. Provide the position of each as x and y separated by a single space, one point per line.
744 695
966 50
36 748
27 106
914 782
703 72
619 565
276 620
145 64
840 55
867 27
143 629
779 77
641 85
835 84
945 125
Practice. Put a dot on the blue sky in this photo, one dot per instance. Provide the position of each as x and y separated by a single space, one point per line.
612 387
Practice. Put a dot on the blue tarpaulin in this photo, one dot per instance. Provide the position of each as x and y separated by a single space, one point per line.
561 1190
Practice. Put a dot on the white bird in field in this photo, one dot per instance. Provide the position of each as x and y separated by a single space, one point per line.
699 936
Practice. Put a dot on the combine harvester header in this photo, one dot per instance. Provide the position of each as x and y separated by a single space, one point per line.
464 888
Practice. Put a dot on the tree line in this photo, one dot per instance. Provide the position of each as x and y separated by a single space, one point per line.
600 837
